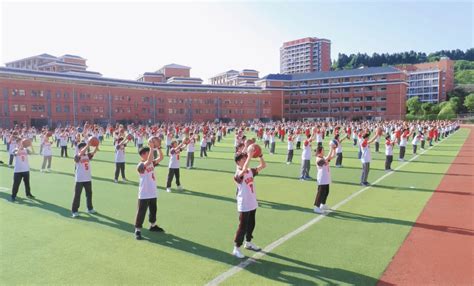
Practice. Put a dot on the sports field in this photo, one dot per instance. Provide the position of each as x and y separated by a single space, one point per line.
41 244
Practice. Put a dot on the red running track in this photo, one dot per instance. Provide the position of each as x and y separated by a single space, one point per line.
439 250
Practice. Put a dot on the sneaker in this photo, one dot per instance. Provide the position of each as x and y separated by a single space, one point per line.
124 179
13 199
116 181
180 187
92 211
301 179
325 207
188 168
138 235
30 196
288 163
318 210
41 171
76 214
236 252
251 246
48 170
168 190
156 228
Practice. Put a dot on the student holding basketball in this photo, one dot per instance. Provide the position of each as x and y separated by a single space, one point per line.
388 153
173 166
120 157
147 195
21 170
323 178
83 176
365 157
246 198
47 152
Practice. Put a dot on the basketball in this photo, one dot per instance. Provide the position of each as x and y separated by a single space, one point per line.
49 134
26 143
130 137
249 142
93 141
186 140
257 151
155 140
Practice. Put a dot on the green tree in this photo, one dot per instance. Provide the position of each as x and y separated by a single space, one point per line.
426 108
455 102
413 105
469 102
447 112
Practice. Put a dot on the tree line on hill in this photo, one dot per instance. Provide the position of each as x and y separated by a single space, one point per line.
362 59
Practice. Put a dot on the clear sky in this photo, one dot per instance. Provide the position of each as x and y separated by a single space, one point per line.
123 39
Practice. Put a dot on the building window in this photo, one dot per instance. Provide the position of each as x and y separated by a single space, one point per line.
66 108
58 108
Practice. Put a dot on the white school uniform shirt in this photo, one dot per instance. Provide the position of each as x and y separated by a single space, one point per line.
174 160
298 138
324 174
416 140
364 147
403 141
319 137
147 182
119 154
47 151
306 154
246 196
63 140
203 141
140 139
21 161
389 148
190 147
272 138
83 168
290 144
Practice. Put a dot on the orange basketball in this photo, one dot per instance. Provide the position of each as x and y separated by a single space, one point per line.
130 137
156 141
49 134
26 143
93 141
257 151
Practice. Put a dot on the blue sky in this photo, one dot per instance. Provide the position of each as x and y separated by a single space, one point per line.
126 39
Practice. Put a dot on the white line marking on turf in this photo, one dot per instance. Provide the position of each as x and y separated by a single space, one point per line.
236 269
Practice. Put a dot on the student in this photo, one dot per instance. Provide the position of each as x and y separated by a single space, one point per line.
306 159
415 141
169 139
47 154
388 153
323 178
120 158
203 146
83 178
289 158
147 189
339 156
63 143
272 142
21 171
190 150
173 165
403 144
365 157
246 201
266 139
298 140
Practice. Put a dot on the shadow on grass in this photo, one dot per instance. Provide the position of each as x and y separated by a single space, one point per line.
288 271
371 219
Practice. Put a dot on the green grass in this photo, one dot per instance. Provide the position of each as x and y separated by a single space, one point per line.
41 244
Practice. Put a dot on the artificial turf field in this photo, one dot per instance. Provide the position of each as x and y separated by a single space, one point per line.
41 244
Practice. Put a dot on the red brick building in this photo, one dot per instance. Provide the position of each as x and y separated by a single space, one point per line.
305 55
47 98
